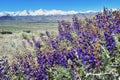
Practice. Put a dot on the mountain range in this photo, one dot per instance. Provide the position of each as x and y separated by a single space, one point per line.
41 12
44 15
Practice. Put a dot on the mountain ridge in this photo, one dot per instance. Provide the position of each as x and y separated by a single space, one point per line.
42 12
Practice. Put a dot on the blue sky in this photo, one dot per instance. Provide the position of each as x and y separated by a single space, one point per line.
77 5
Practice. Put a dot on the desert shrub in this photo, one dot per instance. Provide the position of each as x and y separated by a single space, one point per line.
24 36
27 31
6 32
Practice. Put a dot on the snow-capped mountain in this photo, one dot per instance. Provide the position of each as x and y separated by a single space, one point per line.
41 12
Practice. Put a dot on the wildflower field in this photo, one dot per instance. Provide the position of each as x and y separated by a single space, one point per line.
79 50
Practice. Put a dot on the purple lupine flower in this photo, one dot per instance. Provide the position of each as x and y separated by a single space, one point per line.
53 44
29 42
109 41
33 39
76 26
4 68
37 44
60 29
68 37
48 34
